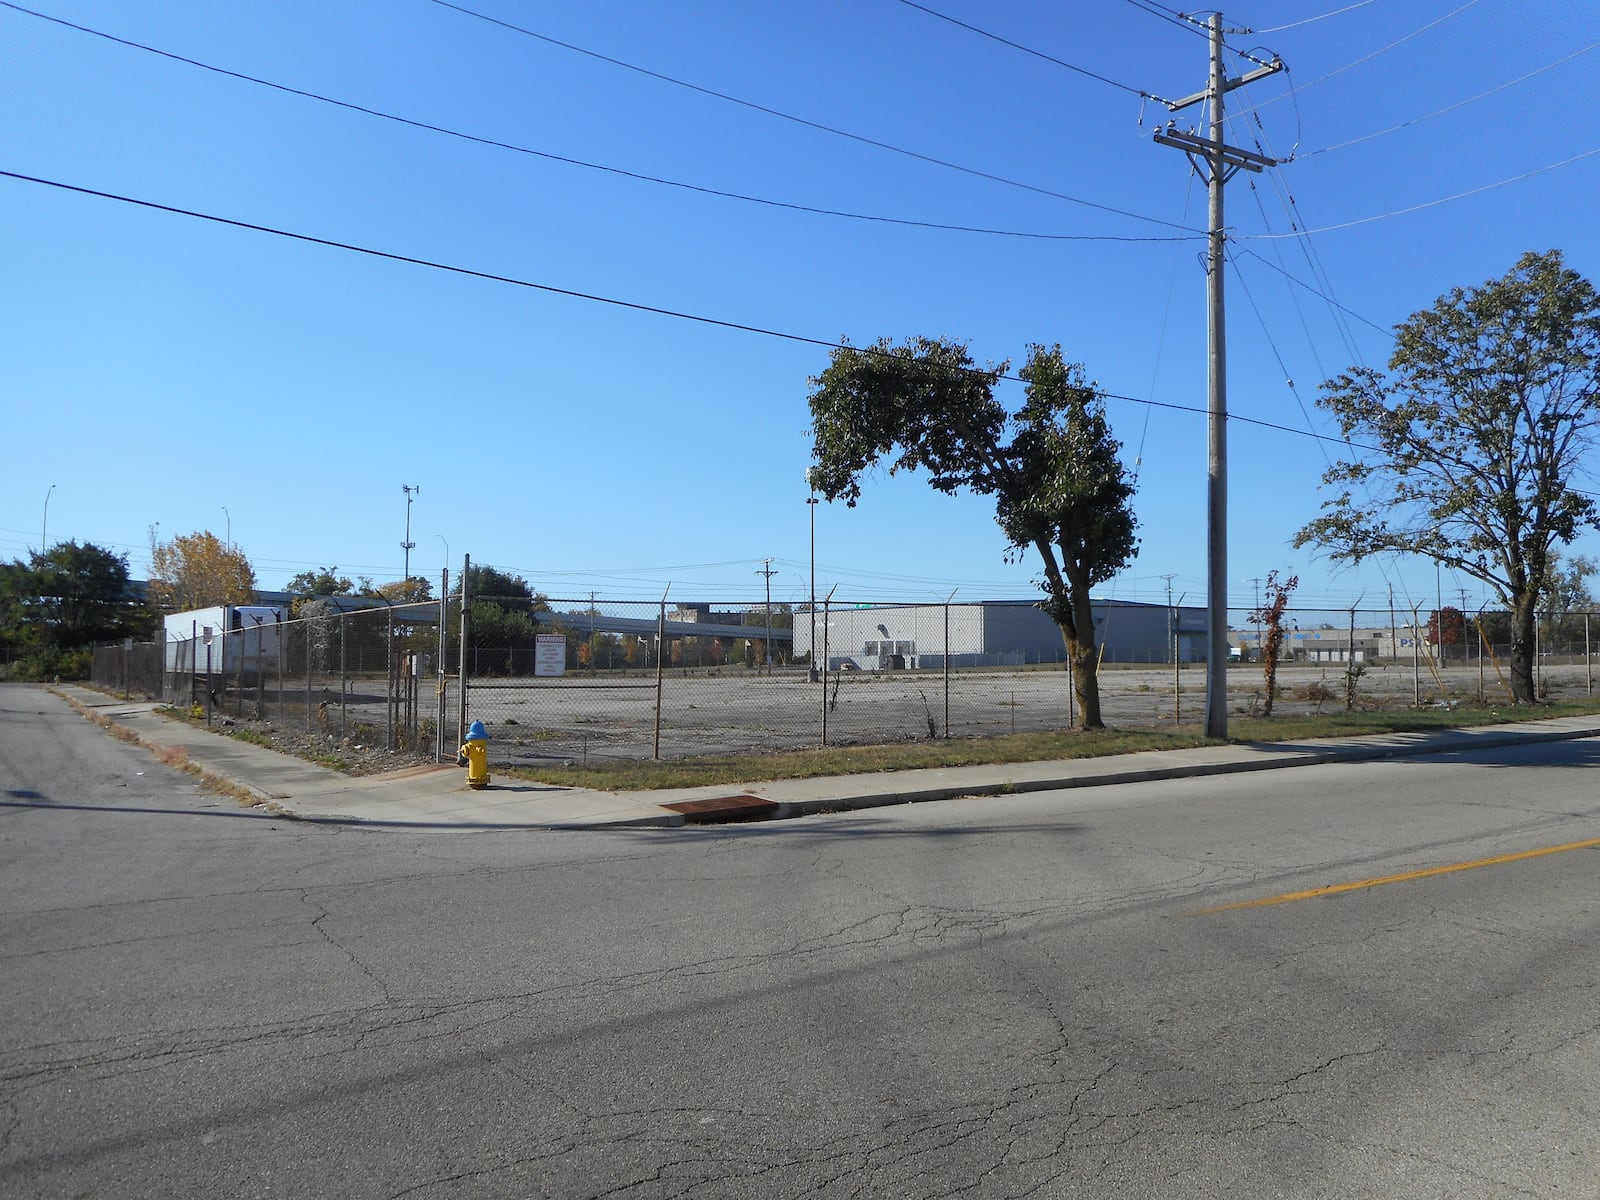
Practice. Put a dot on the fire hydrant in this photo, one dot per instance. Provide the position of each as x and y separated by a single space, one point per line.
476 754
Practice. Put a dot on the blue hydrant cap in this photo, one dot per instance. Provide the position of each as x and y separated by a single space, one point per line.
477 733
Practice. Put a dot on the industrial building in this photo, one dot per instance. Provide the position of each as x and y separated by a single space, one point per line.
993 633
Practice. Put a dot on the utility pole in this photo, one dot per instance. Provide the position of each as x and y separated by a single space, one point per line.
408 545
1217 162
766 569
1172 622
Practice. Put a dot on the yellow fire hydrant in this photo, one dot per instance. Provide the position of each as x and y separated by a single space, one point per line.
476 753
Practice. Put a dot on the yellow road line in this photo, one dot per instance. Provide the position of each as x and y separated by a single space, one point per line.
1334 889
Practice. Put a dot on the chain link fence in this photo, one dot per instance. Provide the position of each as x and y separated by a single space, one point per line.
588 679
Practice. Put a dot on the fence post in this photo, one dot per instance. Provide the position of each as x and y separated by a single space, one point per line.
827 658
1482 698
1588 667
444 618
1538 660
344 670
308 654
948 598
466 630
1416 658
389 671
661 658
281 639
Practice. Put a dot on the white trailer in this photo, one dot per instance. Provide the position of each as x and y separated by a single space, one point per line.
238 636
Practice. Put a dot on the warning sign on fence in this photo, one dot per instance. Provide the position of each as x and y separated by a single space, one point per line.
551 656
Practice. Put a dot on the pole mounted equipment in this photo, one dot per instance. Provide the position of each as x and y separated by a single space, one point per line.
408 545
1217 162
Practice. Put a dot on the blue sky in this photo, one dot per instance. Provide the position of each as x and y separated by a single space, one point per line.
163 370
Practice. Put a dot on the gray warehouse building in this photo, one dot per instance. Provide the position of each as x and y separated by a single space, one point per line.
994 633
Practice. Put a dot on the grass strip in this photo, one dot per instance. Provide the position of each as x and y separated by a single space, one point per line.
627 775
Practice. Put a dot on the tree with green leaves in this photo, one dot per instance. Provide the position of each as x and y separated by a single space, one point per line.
1471 446
58 605
325 581
505 610
1060 491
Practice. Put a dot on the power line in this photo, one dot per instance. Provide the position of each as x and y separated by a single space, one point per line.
1452 107
497 144
1297 281
1162 13
1273 345
1338 12
1374 54
1050 58
975 172
632 305
1400 212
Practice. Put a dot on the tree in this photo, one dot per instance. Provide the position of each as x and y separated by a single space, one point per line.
504 609
1476 436
57 605
1270 618
1565 598
1446 627
198 571
1059 490
415 590
325 581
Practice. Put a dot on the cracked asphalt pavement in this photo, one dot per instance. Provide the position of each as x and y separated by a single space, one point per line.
1003 997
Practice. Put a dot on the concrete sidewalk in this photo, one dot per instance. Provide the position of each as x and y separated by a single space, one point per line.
437 797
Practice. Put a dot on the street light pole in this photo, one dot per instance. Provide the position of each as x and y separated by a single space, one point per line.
44 526
229 519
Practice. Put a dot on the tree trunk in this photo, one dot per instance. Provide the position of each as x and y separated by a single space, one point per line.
1083 653
1086 681
1522 643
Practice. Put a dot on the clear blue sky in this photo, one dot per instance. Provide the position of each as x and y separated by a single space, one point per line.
162 370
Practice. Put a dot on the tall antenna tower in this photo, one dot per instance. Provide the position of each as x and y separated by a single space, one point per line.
408 545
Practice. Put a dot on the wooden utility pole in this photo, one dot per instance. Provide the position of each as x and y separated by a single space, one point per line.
1217 162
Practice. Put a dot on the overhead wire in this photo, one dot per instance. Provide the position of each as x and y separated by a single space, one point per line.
1400 212
835 131
552 289
1163 13
1259 137
1161 336
1050 58
1449 108
1338 12
1365 58
496 143
1262 141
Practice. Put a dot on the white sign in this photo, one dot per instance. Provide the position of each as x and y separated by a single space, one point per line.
551 656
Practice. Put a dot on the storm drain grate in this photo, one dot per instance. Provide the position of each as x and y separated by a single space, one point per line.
725 808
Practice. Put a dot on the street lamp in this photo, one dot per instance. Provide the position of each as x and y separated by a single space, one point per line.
811 503
229 520
44 526
441 537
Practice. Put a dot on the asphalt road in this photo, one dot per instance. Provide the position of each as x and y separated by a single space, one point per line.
1016 996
